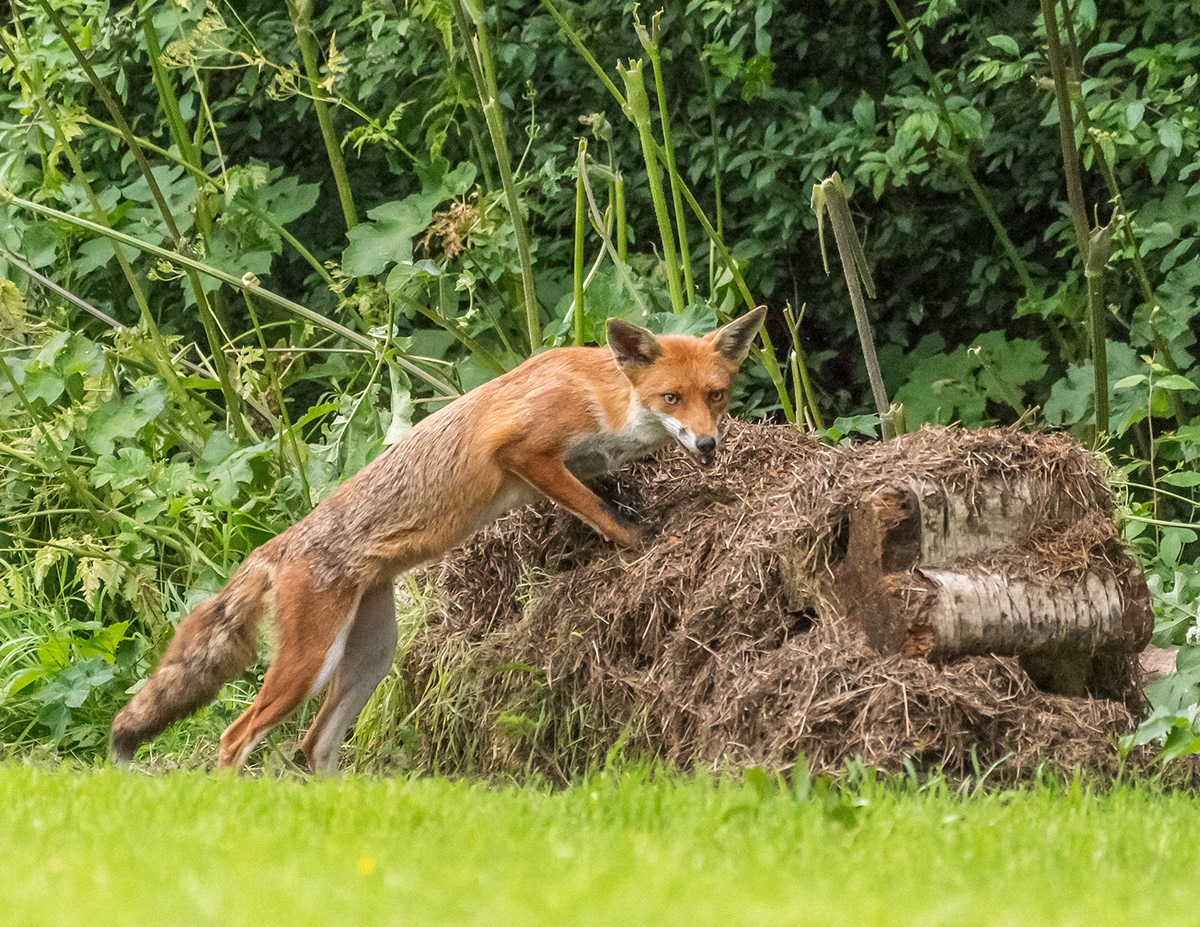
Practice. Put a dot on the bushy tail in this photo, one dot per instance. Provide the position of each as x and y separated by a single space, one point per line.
211 646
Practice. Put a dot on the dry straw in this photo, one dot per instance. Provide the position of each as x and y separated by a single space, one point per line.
721 643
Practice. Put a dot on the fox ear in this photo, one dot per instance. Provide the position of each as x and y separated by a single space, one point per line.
633 346
733 340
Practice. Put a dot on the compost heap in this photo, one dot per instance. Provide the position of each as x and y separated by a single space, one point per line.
720 643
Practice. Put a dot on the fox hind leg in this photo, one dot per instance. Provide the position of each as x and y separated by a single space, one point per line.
312 623
370 650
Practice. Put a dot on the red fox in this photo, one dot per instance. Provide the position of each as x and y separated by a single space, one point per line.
564 415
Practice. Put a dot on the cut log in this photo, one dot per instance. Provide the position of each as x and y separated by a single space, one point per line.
939 574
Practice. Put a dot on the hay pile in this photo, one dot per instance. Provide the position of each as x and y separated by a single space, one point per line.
721 643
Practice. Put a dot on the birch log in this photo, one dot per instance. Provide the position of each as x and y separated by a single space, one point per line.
937 574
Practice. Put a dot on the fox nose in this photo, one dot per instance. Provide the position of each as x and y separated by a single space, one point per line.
706 445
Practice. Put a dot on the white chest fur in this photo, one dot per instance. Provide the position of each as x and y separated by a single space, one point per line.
603 451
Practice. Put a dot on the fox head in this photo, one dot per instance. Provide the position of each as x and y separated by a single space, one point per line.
683 380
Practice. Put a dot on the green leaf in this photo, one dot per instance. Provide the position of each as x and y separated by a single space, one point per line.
131 465
864 112
696 319
124 417
80 357
39 244
1006 44
1181 478
1103 48
1175 383
1173 540
1008 365
1070 401
942 389
1134 112
1171 136
1158 164
288 199
236 470
388 236
43 382
73 685
759 73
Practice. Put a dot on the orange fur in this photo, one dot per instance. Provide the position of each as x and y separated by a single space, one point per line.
562 416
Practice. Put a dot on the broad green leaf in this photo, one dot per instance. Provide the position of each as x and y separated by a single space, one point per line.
129 466
124 417
1006 44
387 236
1175 382
1181 478
864 112
1134 112
1070 401
1171 136
236 470
1103 48
43 382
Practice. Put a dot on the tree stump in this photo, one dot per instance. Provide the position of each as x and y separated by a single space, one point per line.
938 573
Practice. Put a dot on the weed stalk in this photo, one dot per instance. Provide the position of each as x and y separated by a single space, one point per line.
638 111
580 225
829 196
475 49
250 286
161 355
300 12
208 321
649 40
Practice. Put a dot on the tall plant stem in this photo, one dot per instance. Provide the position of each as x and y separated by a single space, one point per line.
1132 245
800 384
711 99
619 208
638 111
1099 249
247 284
216 345
286 432
764 355
649 42
475 48
580 227
958 163
828 196
300 12
1084 240
618 264
189 149
1066 130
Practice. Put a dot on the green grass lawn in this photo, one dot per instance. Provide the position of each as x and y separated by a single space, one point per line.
101 848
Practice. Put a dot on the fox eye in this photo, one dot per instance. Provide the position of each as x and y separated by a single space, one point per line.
716 395
671 399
